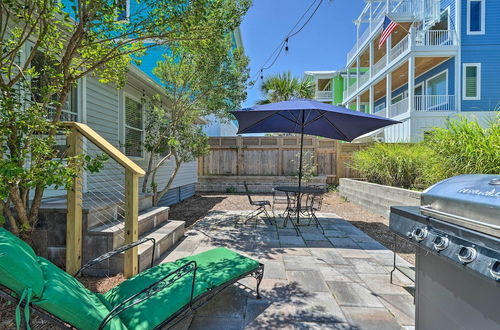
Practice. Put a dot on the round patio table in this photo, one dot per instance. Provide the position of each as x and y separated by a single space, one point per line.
303 190
295 190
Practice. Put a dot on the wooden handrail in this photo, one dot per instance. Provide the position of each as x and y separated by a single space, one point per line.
105 146
74 222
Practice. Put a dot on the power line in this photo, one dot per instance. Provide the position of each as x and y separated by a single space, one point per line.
284 43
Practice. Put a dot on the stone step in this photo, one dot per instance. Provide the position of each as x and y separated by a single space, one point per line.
165 236
148 220
99 211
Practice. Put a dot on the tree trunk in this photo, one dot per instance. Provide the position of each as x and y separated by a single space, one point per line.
159 196
148 173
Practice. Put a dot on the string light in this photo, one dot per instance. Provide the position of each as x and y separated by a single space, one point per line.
284 43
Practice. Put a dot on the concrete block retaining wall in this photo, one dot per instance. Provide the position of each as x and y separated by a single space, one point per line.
375 197
256 184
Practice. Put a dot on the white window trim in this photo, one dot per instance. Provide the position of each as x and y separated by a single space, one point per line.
136 99
483 18
434 76
464 77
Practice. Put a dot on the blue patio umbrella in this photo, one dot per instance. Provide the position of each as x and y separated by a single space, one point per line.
303 116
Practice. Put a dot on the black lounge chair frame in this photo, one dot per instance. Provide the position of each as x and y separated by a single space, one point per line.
158 286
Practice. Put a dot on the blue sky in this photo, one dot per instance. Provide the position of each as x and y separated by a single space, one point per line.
322 45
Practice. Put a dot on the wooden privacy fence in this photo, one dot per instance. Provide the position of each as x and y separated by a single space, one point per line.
277 156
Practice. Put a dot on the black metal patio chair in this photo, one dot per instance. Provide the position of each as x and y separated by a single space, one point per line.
310 204
261 207
279 198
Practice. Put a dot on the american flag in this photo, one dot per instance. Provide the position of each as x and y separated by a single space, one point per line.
389 26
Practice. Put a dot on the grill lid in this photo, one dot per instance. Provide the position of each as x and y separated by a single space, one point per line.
471 201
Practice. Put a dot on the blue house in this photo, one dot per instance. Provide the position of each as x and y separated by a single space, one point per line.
440 61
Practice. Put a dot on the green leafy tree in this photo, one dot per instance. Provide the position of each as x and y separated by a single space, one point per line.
200 79
46 48
285 87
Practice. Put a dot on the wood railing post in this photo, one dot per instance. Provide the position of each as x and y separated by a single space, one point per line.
131 262
74 209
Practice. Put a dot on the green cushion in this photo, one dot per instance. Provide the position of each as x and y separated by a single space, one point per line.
19 269
65 297
220 265
215 267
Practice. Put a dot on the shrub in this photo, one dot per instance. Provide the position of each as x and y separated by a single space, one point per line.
396 164
464 147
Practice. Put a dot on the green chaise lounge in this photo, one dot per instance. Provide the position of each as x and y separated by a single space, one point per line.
157 298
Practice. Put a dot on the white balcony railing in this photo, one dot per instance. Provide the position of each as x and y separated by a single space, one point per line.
324 94
419 38
435 103
436 38
399 108
403 7
381 113
363 78
380 65
400 48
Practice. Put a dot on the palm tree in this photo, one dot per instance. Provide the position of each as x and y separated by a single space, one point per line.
285 87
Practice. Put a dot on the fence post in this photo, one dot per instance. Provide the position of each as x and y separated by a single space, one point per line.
74 209
131 262
339 166
239 156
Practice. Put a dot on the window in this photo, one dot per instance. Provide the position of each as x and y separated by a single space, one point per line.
134 128
43 65
122 10
471 82
438 85
475 16
399 97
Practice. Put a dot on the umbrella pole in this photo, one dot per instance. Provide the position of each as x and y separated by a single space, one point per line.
300 167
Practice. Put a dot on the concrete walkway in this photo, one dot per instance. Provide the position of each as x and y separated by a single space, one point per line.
339 280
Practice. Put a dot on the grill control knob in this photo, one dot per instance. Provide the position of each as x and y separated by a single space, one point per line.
495 270
440 243
420 234
467 254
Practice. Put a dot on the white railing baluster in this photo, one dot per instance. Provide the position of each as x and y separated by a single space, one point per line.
434 103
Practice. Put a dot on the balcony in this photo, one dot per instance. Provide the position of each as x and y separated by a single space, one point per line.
422 103
426 41
435 103
324 95
400 11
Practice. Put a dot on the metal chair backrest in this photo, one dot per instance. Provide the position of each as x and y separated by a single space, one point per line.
248 192
316 202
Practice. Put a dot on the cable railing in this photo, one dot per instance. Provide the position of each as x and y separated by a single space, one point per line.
113 193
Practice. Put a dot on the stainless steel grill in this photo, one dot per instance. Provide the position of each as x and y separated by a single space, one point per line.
471 201
457 233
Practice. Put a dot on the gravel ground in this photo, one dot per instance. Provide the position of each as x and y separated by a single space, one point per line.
195 208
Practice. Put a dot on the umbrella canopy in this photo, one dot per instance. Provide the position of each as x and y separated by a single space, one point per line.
304 116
